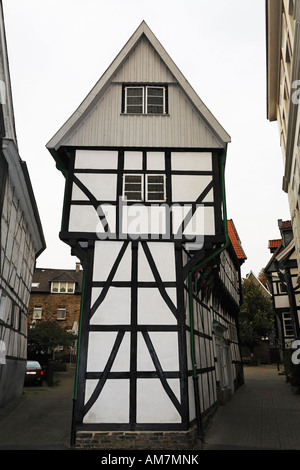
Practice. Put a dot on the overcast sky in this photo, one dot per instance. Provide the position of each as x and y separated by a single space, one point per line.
58 49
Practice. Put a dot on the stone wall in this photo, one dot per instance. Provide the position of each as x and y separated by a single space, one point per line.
137 440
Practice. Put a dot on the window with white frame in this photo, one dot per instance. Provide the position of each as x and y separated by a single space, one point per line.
133 187
145 99
150 188
287 324
61 313
62 287
155 188
37 312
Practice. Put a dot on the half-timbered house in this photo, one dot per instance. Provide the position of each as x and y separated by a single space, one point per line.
145 213
281 272
21 241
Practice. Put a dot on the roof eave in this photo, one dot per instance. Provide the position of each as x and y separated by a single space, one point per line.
273 38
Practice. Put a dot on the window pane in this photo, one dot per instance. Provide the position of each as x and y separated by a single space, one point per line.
133 178
155 179
155 91
133 187
155 110
61 313
37 313
155 100
134 91
134 196
134 109
155 188
55 286
155 196
62 287
135 100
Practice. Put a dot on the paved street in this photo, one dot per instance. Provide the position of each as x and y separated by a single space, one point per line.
41 418
264 414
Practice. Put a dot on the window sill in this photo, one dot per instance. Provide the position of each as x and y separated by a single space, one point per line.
144 114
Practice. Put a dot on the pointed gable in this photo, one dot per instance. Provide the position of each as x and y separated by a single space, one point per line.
98 121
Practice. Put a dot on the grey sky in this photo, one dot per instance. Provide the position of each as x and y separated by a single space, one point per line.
58 49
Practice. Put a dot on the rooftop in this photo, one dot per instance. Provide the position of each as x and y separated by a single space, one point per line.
235 241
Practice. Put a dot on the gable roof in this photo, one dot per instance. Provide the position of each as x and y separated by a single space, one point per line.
143 31
274 244
42 278
258 283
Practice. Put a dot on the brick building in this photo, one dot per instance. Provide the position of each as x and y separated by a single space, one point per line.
56 295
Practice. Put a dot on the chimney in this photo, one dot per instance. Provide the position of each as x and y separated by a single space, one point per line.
77 267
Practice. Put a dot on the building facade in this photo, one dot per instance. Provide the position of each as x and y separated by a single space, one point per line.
283 93
145 212
282 274
21 242
56 296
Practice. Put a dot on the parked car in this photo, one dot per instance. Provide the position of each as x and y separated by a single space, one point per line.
34 373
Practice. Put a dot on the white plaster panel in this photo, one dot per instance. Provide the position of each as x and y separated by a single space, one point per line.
112 406
152 309
166 347
164 258
139 220
78 194
144 271
102 186
99 348
96 159
110 216
133 160
153 403
105 255
144 360
187 188
114 309
191 161
155 161
281 301
83 219
201 223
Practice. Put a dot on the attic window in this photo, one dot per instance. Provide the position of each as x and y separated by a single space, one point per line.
145 99
63 287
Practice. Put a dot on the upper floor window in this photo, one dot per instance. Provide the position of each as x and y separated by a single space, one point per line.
145 99
148 188
287 324
61 313
63 287
37 312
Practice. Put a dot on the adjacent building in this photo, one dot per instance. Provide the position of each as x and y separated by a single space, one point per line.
282 274
56 296
21 241
145 212
283 94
